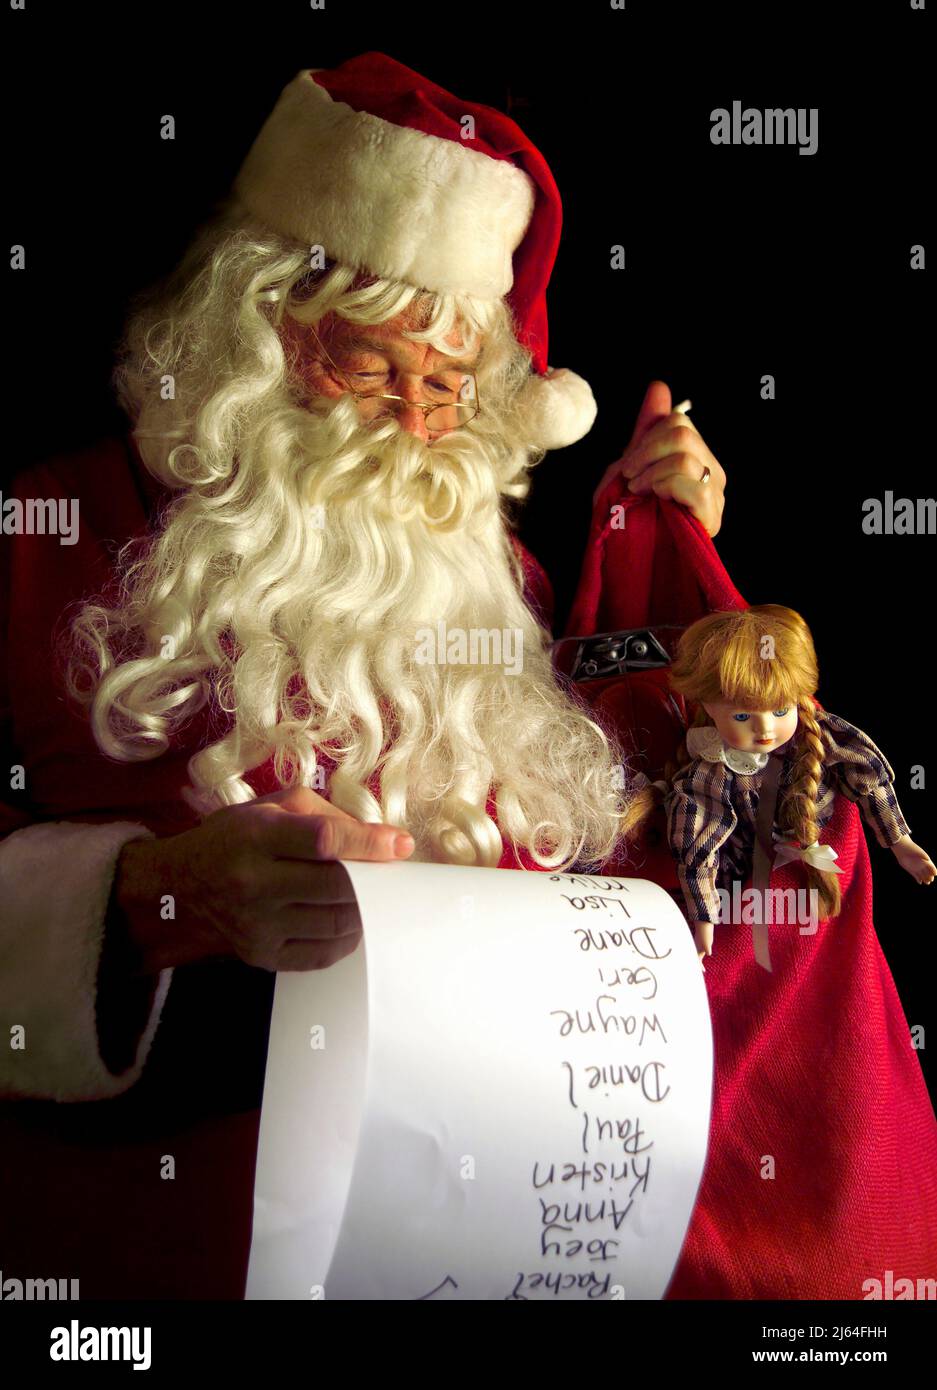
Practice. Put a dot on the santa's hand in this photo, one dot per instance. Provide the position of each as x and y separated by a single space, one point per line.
916 860
667 456
260 881
703 936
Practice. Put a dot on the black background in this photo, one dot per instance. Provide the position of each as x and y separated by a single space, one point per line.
741 261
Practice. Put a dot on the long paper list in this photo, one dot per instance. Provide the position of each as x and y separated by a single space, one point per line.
512 1099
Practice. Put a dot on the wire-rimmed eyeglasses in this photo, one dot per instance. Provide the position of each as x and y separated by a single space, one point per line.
457 405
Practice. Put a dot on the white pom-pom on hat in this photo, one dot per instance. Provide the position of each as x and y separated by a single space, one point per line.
559 408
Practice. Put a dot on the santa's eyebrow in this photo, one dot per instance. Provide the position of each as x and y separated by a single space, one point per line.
357 342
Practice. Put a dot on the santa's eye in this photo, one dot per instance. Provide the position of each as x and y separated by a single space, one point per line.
741 718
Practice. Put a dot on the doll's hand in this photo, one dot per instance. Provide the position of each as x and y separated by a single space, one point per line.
667 456
916 860
703 935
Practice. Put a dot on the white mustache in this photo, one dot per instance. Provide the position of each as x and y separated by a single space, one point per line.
443 483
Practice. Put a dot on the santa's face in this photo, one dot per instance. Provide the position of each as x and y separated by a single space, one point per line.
376 361
753 730
385 423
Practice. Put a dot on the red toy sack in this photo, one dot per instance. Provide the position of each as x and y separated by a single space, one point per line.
821 1175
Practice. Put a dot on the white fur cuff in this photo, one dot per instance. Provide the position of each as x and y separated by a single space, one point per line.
55 884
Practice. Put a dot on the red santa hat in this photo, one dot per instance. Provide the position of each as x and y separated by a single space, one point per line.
385 171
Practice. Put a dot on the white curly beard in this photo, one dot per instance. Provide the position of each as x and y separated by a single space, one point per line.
369 583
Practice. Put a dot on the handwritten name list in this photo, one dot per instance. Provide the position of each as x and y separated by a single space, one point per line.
504 1093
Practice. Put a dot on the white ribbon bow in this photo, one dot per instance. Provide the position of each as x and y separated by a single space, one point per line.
816 855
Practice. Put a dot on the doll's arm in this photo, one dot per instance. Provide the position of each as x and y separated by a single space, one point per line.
915 860
861 772
700 818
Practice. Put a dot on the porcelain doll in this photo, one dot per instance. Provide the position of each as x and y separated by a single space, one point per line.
752 674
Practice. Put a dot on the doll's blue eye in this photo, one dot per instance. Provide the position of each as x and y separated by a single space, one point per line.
780 713
741 717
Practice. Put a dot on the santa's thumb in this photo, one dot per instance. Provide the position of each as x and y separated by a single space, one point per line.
656 404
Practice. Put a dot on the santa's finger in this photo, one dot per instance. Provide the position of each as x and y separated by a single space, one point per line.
315 922
669 436
682 465
311 955
324 837
696 497
295 881
674 427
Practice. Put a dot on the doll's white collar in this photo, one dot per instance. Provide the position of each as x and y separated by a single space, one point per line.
706 742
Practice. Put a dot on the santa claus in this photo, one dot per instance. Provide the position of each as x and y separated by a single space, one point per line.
336 402
342 390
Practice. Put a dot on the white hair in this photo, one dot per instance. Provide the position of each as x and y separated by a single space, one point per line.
303 632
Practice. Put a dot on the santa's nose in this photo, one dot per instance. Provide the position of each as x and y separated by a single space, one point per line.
412 420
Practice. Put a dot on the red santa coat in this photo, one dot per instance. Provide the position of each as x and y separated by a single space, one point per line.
835 1096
